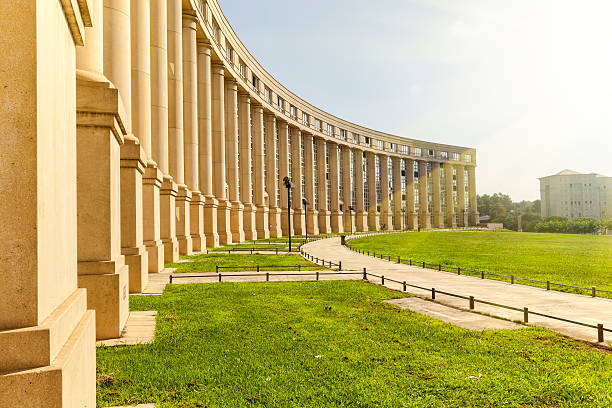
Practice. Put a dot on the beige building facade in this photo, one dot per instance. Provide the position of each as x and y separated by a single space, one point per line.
574 195
135 131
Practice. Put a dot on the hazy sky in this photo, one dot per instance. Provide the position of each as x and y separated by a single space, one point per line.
528 83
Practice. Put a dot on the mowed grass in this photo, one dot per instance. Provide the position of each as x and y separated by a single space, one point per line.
336 344
581 260
208 262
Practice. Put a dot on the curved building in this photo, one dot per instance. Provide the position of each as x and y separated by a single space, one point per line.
132 131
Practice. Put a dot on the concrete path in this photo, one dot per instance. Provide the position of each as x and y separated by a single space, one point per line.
559 304
139 329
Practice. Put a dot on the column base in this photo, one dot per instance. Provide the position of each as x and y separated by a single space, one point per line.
196 222
299 221
374 221
53 364
262 222
474 219
451 221
183 204
236 217
386 221
168 193
361 221
413 220
137 260
210 221
274 218
337 225
324 222
425 220
249 223
350 222
155 255
438 220
285 222
462 220
151 186
223 222
107 294
399 221
312 222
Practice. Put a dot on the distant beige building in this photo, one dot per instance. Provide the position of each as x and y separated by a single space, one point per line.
576 195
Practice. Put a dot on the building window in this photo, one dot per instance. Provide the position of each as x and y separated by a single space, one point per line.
355 137
379 144
229 53
330 130
392 147
455 156
292 112
255 84
342 134
444 155
215 30
279 103
241 69
305 118
317 124
431 153
417 151
468 158
405 149
367 141
267 95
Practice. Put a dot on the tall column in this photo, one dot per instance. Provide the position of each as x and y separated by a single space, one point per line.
373 219
299 220
361 218
348 216
424 216
246 166
451 217
309 175
141 125
387 220
218 133
462 218
397 193
283 163
324 213
47 356
438 216
205 145
271 179
261 209
176 139
474 215
334 180
232 159
411 214
191 136
159 136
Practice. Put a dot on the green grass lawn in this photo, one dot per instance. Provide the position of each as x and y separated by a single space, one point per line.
336 344
207 262
581 260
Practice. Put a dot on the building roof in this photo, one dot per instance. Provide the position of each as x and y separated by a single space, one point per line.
567 172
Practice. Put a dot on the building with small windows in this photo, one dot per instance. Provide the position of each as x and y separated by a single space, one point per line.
574 195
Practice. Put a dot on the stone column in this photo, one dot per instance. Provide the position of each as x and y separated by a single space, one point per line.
283 162
176 140
373 219
47 335
387 219
218 133
271 178
191 137
334 179
474 215
205 145
424 216
324 213
232 159
397 193
348 216
361 218
141 125
309 175
462 216
438 216
411 214
451 217
261 209
246 166
159 135
299 216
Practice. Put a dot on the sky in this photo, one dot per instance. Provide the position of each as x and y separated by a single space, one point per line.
528 83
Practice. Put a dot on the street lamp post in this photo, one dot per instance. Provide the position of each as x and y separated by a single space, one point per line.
351 209
306 204
289 186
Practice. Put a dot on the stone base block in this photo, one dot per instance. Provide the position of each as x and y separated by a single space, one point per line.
262 222
276 230
171 250
210 221
313 222
249 222
236 217
361 221
108 295
337 225
185 245
285 222
70 379
223 222
155 255
349 220
413 220
138 261
474 219
324 222
424 220
299 222
451 221
196 219
374 221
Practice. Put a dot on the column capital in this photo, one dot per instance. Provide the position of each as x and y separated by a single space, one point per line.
190 19
204 46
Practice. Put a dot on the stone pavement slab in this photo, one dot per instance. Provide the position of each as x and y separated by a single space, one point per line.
569 306
139 329
458 317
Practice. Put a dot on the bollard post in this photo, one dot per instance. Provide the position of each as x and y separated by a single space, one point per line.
382 280
471 302
217 268
389 258
170 278
512 279
317 275
339 265
458 270
594 291
257 268
299 268
600 334
433 293
547 285
439 267
267 276
482 275
404 286
330 264
365 274
526 315
276 250
220 275
399 260
410 262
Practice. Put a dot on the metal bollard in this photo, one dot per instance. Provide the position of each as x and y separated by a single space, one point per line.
339 265
299 268
594 291
458 270
330 264
257 268
267 276
471 302
600 333
170 278
217 268
399 260
382 280
423 264
317 275
439 267
547 285
526 315
220 275
410 262
276 250
365 274
433 293
404 286
512 279
482 275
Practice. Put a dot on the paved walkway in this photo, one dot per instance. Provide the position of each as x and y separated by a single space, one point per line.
565 305
139 329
